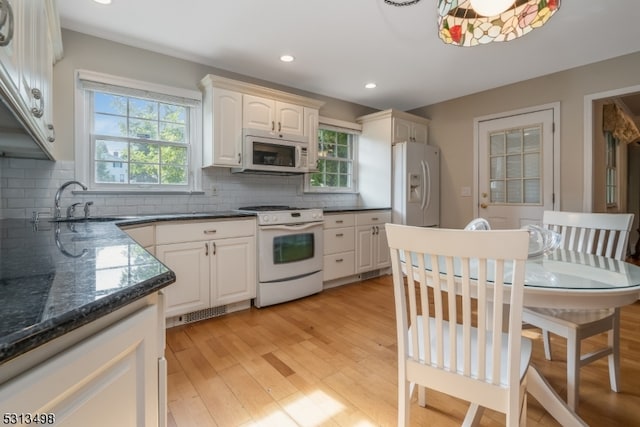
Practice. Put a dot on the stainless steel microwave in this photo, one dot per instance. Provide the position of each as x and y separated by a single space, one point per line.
264 152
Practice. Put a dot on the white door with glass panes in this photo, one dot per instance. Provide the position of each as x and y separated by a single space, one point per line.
516 168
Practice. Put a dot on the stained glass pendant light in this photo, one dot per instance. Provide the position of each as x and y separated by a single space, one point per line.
462 25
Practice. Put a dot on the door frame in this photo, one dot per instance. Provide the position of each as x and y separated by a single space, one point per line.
555 106
587 167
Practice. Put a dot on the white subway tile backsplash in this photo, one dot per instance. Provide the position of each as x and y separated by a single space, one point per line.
27 185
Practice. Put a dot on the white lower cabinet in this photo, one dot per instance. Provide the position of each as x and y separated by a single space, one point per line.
339 246
114 377
214 262
372 249
190 263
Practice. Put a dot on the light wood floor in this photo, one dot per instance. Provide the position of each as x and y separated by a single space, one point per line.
330 359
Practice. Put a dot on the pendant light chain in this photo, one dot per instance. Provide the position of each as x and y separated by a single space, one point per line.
401 3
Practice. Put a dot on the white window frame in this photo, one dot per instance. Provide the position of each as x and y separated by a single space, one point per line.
339 126
88 81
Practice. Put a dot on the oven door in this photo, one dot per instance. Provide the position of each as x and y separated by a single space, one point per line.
289 250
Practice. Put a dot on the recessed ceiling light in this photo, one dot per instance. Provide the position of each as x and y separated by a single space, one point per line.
287 58
370 85
103 1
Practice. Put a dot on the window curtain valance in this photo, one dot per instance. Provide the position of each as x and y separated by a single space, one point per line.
620 125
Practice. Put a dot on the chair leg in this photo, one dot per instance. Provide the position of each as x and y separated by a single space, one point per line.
422 398
547 344
573 369
403 402
474 414
613 338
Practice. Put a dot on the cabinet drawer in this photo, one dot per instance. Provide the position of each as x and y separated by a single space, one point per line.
372 218
339 240
211 230
339 220
144 236
339 265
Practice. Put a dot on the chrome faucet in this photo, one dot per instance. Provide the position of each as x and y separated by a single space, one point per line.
59 193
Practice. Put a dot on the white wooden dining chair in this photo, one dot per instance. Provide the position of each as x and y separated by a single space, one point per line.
593 233
442 345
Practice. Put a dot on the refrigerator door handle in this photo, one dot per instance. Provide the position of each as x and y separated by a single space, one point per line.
426 192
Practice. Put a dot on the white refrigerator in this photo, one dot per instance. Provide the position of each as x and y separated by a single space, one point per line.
416 184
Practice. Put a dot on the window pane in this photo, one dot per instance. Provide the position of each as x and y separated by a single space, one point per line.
146 129
343 151
514 191
531 165
497 143
104 124
498 193
173 155
344 167
143 109
514 141
514 166
532 191
147 153
172 132
108 103
173 113
176 175
143 173
111 150
106 173
497 168
532 139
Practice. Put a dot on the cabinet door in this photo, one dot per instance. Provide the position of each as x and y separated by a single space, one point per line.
311 131
227 127
189 261
419 133
401 130
110 379
9 54
289 118
233 270
365 248
383 257
258 113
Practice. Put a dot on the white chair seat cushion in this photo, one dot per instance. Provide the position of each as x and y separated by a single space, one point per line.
578 317
525 352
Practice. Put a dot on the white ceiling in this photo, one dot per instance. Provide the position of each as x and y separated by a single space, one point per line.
340 45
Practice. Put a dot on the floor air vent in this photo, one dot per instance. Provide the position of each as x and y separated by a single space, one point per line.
370 274
206 313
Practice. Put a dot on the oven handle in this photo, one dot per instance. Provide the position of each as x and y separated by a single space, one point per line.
288 227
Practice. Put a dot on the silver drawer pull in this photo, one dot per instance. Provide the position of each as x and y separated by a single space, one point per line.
339 221
210 231
339 234
339 260
374 219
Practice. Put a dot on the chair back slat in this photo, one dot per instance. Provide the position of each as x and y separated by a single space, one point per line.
444 267
592 233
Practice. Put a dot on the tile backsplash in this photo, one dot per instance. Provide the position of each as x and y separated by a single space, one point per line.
28 185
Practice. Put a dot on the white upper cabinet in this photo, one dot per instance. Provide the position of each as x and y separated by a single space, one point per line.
311 117
229 106
411 131
222 126
272 116
30 43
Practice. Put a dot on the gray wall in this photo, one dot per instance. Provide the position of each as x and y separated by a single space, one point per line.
451 127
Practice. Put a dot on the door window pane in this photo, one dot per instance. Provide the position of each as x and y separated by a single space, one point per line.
515 161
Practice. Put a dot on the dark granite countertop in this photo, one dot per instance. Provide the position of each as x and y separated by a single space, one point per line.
338 209
56 277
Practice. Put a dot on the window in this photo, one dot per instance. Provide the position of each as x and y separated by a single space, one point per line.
515 158
337 161
136 136
611 184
